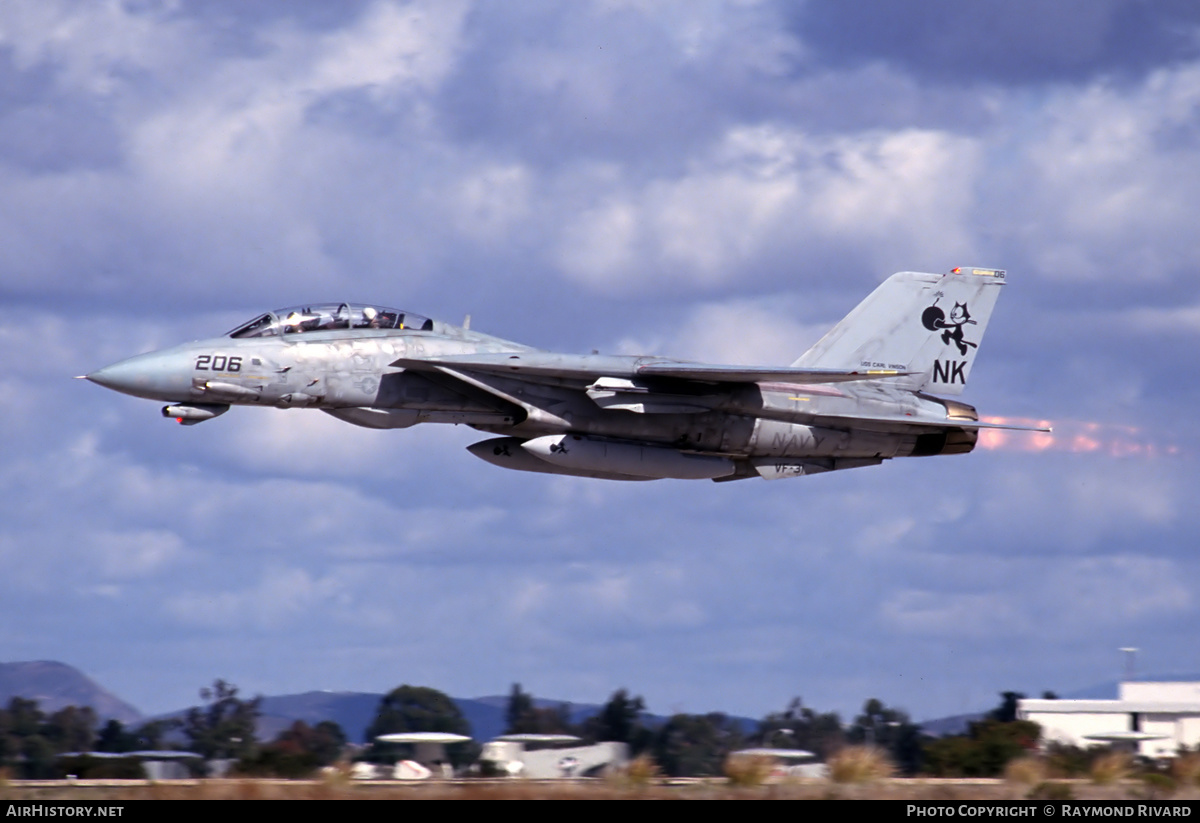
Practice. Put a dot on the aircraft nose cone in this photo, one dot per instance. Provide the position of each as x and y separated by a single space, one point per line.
118 377
156 376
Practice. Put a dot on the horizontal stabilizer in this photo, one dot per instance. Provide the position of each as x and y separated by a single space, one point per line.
947 423
976 424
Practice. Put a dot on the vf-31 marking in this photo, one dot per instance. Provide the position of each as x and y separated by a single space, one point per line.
843 404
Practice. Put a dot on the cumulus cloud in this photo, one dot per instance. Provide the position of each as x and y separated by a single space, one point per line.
954 614
751 332
136 555
1002 41
764 192
279 598
1111 168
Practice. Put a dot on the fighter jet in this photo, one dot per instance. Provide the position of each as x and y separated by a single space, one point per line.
863 394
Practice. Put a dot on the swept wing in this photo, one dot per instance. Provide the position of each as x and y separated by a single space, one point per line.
590 367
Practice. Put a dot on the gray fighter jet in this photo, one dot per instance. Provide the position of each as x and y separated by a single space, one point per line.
861 395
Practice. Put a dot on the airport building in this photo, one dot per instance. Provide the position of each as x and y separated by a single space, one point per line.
1152 719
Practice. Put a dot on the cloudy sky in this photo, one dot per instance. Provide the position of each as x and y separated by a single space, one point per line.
712 180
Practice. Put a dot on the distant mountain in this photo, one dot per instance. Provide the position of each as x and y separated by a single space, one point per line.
485 716
56 685
354 711
950 726
491 710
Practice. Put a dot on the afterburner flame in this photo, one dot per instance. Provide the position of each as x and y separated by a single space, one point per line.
1077 436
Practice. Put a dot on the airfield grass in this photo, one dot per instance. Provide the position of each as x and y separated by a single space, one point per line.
695 789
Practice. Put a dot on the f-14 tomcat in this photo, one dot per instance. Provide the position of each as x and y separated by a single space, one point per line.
863 394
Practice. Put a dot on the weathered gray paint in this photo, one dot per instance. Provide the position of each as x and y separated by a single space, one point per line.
855 399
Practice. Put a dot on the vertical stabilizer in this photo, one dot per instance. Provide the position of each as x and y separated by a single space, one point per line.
930 324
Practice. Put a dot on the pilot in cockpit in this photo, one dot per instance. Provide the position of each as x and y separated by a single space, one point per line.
371 315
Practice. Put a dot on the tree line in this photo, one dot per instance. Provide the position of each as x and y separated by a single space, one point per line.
32 743
36 745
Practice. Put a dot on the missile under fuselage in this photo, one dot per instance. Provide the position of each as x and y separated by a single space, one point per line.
573 451
189 414
506 452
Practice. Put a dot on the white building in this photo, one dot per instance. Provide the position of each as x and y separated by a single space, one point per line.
519 755
1155 718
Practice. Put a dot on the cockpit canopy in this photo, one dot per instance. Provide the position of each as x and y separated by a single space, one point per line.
330 317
